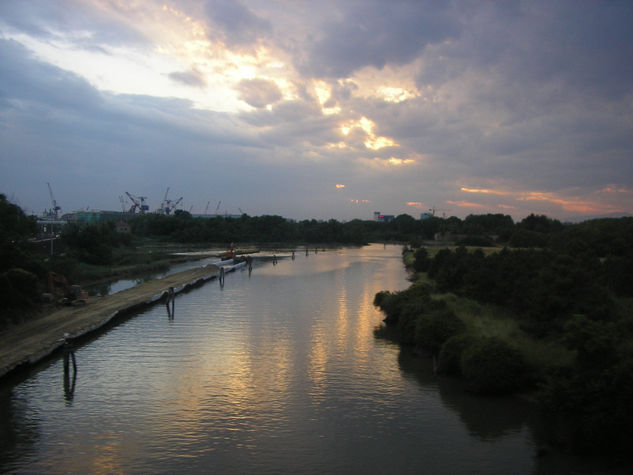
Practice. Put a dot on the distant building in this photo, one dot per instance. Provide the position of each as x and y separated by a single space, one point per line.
383 218
122 227
426 215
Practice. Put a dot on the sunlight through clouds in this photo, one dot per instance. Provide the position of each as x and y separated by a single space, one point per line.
420 99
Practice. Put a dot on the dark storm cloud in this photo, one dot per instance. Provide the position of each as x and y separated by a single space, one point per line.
375 33
582 45
237 24
259 92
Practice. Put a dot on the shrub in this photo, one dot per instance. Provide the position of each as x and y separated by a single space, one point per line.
422 260
380 297
19 288
434 328
492 366
449 361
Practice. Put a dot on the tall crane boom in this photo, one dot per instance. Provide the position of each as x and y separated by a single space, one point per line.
55 209
138 202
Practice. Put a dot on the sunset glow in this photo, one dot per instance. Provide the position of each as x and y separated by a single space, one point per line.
295 93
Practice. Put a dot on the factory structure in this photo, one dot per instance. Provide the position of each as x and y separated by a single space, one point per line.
51 221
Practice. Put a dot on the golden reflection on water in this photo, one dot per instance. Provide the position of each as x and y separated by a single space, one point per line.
206 381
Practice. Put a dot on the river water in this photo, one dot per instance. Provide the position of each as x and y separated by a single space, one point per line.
278 371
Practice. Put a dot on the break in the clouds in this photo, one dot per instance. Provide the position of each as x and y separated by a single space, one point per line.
465 107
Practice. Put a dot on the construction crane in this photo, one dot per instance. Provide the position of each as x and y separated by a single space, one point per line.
217 208
434 209
138 202
164 206
55 209
206 210
123 205
172 206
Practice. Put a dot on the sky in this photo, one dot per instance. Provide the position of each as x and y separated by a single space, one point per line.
328 109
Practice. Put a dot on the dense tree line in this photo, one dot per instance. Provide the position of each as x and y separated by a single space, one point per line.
264 229
568 284
94 243
19 271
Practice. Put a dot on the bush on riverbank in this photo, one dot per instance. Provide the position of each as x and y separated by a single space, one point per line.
492 366
560 321
488 363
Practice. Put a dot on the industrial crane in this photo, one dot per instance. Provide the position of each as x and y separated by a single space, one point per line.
434 209
164 206
217 208
172 206
55 209
138 202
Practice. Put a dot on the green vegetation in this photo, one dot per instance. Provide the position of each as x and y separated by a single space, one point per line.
535 306
555 320
19 271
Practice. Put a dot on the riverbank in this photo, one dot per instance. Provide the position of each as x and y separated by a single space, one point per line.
29 342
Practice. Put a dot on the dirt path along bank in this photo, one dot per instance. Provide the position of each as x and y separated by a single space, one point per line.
32 341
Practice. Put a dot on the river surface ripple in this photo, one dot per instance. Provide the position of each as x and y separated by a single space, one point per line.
275 372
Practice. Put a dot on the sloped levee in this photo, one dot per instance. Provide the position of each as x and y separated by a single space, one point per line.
30 342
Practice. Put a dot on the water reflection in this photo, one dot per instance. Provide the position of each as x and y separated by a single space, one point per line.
70 372
277 372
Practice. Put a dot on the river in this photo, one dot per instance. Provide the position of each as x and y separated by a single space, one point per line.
277 371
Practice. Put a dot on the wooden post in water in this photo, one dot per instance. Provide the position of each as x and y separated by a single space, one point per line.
171 303
69 382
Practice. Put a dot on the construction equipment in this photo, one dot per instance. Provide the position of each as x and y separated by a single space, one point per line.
434 209
206 210
217 208
164 206
138 202
168 206
172 206
64 293
55 209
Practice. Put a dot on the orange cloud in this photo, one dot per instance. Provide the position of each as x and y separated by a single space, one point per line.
483 190
466 204
338 186
616 189
415 204
572 204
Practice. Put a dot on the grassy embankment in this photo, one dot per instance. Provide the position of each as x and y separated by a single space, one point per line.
146 256
482 321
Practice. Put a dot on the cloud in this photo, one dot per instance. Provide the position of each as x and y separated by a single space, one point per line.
259 92
190 78
478 104
376 33
237 24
